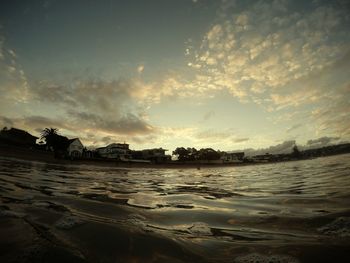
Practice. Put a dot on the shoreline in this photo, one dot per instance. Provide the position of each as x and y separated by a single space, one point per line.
48 157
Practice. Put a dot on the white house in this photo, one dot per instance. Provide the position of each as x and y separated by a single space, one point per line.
115 151
75 148
156 155
236 157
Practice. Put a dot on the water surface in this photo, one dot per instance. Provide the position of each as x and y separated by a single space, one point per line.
284 212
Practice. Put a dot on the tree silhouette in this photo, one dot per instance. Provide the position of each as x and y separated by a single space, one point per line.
296 152
54 140
208 154
49 134
181 153
192 154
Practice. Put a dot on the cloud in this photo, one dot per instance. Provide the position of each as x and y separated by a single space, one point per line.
41 122
276 54
213 135
208 115
287 146
13 80
238 140
284 147
323 141
149 139
106 107
35 124
128 124
332 117
53 93
281 56
140 68
294 127
93 129
105 97
111 97
5 122
260 51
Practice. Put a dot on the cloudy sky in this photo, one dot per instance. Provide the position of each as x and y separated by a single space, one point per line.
223 74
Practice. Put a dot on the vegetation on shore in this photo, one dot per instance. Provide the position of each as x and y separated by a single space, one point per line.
56 144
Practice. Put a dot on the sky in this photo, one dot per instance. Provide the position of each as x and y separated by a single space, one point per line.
229 75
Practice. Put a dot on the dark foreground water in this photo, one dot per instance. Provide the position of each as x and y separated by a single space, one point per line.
285 212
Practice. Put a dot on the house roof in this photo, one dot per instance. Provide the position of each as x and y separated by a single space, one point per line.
155 149
72 140
117 144
20 133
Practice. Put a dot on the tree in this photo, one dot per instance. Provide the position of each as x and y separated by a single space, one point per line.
54 140
296 153
208 154
181 153
49 134
192 154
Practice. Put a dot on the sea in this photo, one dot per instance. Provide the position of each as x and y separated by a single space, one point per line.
296 211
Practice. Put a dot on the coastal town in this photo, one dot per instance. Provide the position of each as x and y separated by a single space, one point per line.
59 147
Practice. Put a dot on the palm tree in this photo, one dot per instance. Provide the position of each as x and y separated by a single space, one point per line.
49 134
50 130
54 141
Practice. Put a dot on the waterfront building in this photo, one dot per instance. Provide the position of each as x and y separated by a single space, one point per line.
75 148
156 155
118 151
234 157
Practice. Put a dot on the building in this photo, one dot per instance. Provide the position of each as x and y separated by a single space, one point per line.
262 158
17 136
75 148
236 157
118 151
156 155
88 153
